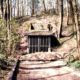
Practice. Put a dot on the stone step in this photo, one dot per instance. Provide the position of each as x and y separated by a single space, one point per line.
45 73
51 70
53 64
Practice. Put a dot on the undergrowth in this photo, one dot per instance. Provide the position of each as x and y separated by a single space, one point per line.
75 64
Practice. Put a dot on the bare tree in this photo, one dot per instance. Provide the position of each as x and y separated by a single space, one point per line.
61 15
8 18
18 8
57 6
74 15
22 7
77 25
2 8
68 12
44 6
33 7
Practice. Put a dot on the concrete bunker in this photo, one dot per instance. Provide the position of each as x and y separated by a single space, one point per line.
42 41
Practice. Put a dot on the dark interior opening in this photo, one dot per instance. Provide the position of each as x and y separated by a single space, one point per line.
54 42
42 43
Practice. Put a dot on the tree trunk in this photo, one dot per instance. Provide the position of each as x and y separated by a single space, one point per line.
77 25
71 11
8 18
68 12
61 15
57 6
2 8
22 7
14 7
44 6
18 8
33 7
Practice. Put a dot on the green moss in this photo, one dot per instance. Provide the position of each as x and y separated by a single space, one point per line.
75 64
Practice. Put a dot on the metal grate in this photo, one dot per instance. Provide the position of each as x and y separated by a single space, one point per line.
39 43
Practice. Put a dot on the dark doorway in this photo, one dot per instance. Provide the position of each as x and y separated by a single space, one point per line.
42 43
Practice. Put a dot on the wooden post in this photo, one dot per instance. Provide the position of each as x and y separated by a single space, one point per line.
38 44
28 44
49 40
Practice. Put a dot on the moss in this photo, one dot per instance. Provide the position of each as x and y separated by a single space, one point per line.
75 64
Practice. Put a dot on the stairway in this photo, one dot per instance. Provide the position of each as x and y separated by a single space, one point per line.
46 70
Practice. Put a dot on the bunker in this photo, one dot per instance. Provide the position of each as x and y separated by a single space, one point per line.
42 41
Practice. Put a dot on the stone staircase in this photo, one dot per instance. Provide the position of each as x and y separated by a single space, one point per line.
45 70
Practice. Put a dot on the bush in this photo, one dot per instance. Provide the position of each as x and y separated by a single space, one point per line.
14 37
76 64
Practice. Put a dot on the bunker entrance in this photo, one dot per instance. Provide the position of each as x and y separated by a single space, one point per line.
42 43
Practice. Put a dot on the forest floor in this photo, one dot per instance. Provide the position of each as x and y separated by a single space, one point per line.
68 45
